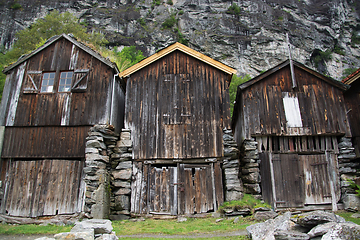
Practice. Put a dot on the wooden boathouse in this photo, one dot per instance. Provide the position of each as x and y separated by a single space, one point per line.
177 105
296 118
51 98
352 99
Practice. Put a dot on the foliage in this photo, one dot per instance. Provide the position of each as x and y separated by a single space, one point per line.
348 71
181 12
155 3
170 2
169 22
322 56
235 82
339 50
32 229
234 9
191 226
355 186
347 216
181 38
248 201
124 59
16 6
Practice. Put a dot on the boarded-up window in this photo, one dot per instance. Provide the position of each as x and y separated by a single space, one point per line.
292 110
32 81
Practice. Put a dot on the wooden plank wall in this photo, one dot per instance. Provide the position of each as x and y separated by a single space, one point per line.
262 112
88 107
45 142
176 108
172 190
43 187
352 99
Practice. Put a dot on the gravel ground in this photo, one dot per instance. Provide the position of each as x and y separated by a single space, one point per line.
202 235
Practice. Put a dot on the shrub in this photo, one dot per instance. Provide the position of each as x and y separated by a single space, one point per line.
169 23
248 201
234 9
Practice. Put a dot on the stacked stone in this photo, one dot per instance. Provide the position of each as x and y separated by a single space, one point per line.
250 171
231 166
121 172
100 143
348 169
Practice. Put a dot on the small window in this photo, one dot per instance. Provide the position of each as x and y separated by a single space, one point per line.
47 83
65 81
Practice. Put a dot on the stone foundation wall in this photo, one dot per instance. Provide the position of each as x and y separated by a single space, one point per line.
349 168
231 165
100 145
250 171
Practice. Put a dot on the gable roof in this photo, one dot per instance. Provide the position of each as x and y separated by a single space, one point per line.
329 80
170 49
69 38
352 77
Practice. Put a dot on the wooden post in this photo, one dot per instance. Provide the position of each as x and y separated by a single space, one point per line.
331 179
213 186
272 179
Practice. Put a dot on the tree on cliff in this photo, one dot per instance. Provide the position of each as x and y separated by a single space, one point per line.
57 23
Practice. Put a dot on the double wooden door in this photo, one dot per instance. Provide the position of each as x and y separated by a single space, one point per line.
298 180
176 189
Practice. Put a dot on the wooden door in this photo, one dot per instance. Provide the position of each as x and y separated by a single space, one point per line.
202 189
287 180
176 189
321 181
43 187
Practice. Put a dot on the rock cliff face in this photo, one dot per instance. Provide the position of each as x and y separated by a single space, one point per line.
249 36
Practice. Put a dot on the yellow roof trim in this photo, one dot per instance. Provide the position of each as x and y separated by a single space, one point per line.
170 49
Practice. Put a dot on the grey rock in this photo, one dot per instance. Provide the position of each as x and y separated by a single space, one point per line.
290 235
351 202
262 209
233 195
216 215
123 184
96 157
314 218
100 226
111 236
321 229
236 220
124 174
122 191
355 215
219 220
343 231
124 165
252 188
86 234
44 238
264 215
181 219
119 217
95 144
267 229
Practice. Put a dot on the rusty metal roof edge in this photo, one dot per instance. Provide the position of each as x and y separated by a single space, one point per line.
352 77
72 40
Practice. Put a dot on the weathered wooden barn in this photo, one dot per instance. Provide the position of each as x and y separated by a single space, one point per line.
352 99
296 117
51 98
177 105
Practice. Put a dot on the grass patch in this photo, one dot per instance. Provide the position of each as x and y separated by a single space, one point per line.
30 229
171 227
214 238
247 201
347 216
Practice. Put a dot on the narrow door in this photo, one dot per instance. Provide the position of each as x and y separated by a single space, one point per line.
287 177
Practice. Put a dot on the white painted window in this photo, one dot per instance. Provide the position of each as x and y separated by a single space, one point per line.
292 110
47 82
65 81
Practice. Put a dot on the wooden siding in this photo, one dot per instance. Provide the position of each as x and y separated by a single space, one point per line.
352 99
44 142
176 189
43 187
261 108
177 107
88 103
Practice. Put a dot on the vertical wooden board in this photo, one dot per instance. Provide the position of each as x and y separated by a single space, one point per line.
197 183
50 206
151 194
172 191
163 186
209 190
144 188
189 192
204 195
266 178
218 184
157 196
181 189
37 206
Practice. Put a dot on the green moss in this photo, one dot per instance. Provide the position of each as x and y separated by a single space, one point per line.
170 2
16 6
248 201
234 9
169 22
